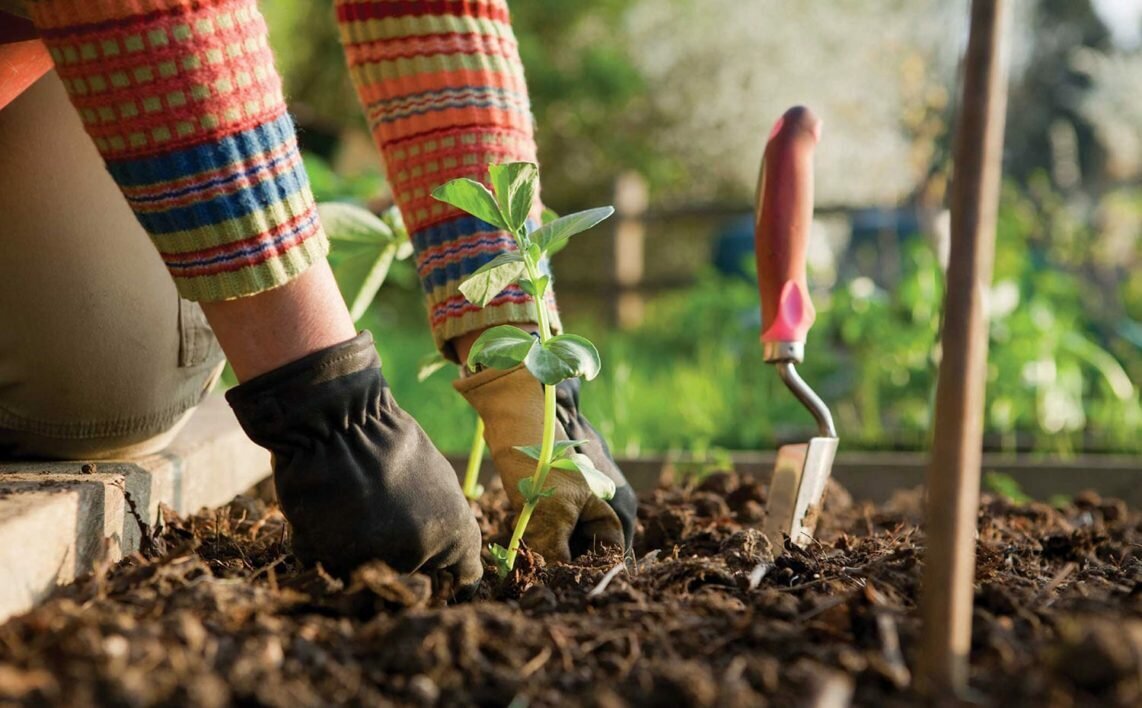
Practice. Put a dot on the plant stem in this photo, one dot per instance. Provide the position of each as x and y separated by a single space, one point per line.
474 458
539 477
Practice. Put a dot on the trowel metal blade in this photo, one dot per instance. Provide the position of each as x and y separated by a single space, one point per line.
799 478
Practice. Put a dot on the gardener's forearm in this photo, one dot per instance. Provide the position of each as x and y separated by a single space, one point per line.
261 332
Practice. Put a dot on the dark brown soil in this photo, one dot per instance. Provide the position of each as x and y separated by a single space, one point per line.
218 613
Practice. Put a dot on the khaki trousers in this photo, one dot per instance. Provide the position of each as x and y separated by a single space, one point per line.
98 355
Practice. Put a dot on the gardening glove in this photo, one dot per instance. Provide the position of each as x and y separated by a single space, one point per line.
573 519
355 475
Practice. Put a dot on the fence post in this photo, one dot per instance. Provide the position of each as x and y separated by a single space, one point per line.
631 201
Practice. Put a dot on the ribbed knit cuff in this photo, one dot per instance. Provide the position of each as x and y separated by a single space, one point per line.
185 105
443 89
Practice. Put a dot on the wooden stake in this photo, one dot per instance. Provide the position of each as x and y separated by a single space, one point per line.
954 475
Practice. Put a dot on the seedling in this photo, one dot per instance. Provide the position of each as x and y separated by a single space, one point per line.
550 358
429 365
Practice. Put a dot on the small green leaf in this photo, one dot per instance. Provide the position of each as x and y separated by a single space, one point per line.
483 286
501 347
526 487
562 446
551 236
534 252
547 366
515 186
535 288
531 451
502 259
470 196
548 215
500 556
601 485
429 365
578 352
354 224
559 450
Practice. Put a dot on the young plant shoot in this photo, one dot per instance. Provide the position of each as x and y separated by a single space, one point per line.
429 365
550 358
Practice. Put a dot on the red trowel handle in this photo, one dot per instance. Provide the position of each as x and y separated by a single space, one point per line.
781 234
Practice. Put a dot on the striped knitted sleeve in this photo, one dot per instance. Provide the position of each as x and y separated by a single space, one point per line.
443 90
182 100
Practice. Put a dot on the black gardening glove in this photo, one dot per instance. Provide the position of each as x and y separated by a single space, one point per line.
625 503
355 475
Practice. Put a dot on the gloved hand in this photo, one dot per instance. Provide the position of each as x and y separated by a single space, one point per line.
356 476
573 519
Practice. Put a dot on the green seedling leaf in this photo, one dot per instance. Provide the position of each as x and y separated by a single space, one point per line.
500 556
470 196
534 252
500 260
548 215
490 280
547 366
559 450
565 356
354 224
515 185
553 235
562 446
429 365
601 485
501 347
526 488
535 288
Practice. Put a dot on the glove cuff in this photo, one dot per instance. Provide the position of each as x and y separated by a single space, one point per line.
511 403
328 386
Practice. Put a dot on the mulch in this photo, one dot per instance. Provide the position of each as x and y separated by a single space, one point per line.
216 612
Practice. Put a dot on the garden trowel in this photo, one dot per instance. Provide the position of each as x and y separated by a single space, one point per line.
784 217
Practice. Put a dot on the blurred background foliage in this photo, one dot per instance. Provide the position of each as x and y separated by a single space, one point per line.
683 92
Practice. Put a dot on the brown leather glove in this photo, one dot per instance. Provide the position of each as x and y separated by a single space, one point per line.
356 476
573 519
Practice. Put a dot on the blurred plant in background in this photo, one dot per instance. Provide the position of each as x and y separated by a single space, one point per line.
691 377
683 92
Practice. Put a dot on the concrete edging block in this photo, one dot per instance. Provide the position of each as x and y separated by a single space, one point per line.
57 521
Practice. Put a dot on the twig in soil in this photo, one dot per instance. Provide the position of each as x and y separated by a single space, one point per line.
647 559
1052 586
560 642
890 648
758 574
610 575
536 663
632 658
831 689
823 607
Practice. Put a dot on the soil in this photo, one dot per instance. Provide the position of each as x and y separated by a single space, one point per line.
217 612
